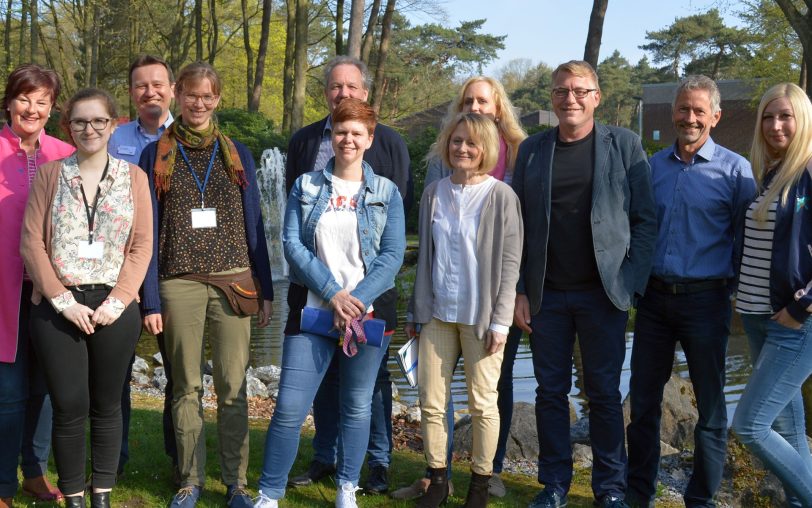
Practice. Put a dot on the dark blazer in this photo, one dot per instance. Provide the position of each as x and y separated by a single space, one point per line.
254 229
623 215
389 158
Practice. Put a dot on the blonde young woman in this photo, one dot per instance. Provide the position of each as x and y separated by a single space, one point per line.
773 295
471 235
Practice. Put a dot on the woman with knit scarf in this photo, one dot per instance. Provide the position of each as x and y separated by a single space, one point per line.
209 238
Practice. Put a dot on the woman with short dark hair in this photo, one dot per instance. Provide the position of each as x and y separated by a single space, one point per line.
25 408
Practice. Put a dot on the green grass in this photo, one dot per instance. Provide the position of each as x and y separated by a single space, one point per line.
148 484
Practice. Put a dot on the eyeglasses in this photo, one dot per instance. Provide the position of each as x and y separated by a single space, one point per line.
208 100
579 93
98 124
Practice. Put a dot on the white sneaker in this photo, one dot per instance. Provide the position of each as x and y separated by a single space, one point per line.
345 497
263 501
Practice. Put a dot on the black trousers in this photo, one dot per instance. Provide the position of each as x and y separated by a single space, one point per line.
84 374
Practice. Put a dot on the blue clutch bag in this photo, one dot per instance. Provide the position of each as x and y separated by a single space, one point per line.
320 322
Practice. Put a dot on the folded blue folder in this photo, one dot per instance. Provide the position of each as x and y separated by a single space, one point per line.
320 322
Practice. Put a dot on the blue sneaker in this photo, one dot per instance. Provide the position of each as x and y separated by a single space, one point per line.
548 498
186 497
238 497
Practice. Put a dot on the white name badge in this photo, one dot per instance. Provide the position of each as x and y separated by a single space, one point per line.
93 250
204 218
126 150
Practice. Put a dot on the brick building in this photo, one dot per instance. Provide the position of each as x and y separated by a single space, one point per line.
735 128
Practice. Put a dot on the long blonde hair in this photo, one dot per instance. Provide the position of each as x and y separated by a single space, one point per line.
793 163
507 123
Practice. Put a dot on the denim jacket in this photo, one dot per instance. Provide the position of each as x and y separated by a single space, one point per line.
381 230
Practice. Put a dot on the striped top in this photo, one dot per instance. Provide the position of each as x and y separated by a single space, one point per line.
753 295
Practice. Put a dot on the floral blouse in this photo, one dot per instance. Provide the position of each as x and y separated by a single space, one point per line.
112 224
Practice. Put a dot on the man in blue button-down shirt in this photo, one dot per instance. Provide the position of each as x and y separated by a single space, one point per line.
151 90
702 191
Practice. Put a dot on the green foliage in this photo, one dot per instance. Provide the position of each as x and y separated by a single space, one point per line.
419 147
251 129
700 42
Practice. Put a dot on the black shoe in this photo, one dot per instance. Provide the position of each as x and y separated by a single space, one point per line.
611 502
548 498
75 501
377 480
316 472
100 500
437 492
477 491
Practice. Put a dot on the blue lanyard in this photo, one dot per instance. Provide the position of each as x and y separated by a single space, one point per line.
200 187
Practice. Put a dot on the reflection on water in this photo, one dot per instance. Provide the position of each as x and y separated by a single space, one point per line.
266 348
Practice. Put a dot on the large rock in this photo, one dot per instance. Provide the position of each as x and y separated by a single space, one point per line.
679 413
267 374
255 387
523 441
140 365
746 482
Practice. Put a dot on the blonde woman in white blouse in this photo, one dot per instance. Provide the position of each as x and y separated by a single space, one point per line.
86 242
471 234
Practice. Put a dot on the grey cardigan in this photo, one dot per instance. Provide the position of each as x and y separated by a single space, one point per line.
499 251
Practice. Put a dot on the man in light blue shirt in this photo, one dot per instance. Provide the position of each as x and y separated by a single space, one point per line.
152 88
702 192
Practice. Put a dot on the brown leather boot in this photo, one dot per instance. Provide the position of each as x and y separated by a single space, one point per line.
477 491
41 489
437 493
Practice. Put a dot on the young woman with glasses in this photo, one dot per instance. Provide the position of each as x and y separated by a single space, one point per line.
86 243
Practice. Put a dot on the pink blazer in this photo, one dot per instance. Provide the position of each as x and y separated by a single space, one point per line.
13 196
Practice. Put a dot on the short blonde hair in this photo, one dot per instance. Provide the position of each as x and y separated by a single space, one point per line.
579 68
484 133
794 161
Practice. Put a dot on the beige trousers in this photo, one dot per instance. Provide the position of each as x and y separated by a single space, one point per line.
440 346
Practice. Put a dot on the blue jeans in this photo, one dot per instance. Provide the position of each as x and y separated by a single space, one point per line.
325 407
701 323
25 410
505 402
769 419
305 360
600 327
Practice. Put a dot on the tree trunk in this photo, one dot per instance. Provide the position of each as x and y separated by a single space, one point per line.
287 78
803 76
595 33
254 98
386 36
34 30
214 32
24 10
369 35
249 53
67 83
94 54
7 38
356 22
198 30
339 27
299 67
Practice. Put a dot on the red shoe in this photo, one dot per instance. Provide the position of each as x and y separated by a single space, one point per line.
41 489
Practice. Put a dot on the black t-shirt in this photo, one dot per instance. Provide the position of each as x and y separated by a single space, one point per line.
570 255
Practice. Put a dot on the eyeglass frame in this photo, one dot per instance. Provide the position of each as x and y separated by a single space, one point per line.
191 99
84 123
578 93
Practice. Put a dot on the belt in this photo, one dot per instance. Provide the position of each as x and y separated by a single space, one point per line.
89 287
686 287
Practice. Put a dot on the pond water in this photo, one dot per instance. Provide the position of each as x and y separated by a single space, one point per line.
266 348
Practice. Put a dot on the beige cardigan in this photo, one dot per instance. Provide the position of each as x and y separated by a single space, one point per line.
499 252
35 246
